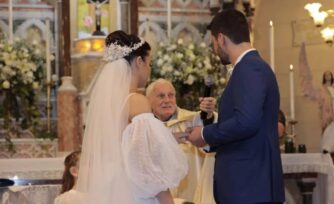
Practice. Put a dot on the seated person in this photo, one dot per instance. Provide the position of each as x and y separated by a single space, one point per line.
68 195
161 95
281 129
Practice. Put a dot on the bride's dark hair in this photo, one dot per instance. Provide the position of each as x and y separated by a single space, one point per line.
119 37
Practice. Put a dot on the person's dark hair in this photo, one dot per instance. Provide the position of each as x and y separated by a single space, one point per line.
231 23
71 160
281 117
123 39
324 77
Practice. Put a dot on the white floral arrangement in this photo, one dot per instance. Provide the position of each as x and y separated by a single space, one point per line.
187 66
22 68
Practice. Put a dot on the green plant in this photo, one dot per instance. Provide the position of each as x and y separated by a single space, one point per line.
187 66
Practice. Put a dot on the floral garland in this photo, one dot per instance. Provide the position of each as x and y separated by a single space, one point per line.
21 71
187 66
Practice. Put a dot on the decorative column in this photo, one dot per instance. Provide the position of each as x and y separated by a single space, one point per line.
128 16
64 41
125 15
68 108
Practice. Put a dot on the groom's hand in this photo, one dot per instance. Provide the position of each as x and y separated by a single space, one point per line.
195 137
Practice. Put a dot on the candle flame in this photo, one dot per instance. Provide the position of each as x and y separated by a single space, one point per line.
291 67
271 23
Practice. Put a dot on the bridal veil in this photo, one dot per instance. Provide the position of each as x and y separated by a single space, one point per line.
102 178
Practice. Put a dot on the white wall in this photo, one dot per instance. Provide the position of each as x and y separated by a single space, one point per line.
320 57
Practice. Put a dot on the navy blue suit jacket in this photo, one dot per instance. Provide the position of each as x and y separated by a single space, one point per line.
248 166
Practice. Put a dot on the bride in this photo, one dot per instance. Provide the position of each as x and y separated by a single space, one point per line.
128 156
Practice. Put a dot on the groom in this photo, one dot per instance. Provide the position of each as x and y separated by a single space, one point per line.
248 167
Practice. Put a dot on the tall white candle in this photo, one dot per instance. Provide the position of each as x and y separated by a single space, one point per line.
119 17
292 94
271 45
147 27
47 51
10 20
169 18
252 3
214 3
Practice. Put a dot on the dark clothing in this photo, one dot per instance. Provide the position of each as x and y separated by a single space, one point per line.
248 166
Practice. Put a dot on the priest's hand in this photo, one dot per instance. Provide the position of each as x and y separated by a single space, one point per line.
195 136
181 137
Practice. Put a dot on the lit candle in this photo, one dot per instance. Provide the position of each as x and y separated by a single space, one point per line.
169 18
10 20
271 44
292 94
47 51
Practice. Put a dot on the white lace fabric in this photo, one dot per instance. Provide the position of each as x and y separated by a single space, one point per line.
153 160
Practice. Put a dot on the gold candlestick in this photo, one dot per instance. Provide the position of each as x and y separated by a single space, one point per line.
48 105
292 124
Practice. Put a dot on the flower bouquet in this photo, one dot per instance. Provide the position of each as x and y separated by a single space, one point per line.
21 71
187 67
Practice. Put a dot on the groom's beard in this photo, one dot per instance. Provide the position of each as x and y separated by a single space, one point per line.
224 58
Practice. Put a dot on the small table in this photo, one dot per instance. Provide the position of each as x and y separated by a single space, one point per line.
312 171
29 194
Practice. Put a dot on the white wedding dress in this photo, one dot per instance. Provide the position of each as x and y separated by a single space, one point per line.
152 159
122 162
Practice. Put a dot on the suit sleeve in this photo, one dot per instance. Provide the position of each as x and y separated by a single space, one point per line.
248 95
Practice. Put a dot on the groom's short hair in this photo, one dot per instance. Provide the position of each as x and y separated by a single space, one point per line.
231 23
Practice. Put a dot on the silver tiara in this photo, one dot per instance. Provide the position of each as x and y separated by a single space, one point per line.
114 51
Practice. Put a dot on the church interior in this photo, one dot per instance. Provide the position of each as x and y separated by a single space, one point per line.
60 45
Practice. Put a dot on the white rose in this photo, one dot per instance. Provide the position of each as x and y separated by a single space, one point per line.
192 56
169 68
208 66
191 46
37 52
179 55
222 80
173 47
54 77
202 45
160 62
35 85
6 84
30 74
166 57
180 41
190 80
177 73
